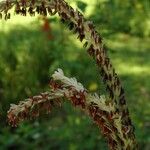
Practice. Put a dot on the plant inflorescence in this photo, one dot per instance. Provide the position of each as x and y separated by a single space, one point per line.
110 112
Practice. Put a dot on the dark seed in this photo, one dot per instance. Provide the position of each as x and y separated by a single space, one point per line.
81 37
1 16
49 10
8 16
85 44
71 25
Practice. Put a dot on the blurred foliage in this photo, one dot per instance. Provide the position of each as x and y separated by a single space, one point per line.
30 52
126 16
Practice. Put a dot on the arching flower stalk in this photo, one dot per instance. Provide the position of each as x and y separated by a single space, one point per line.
101 110
124 135
32 107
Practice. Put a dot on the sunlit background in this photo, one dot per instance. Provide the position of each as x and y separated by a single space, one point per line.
31 48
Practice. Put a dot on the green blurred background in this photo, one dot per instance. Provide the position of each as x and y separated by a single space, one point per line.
32 48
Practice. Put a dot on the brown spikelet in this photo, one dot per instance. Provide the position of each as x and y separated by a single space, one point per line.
31 12
91 50
71 26
85 44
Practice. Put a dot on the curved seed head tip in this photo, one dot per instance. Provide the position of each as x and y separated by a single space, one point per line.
58 74
67 82
12 119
